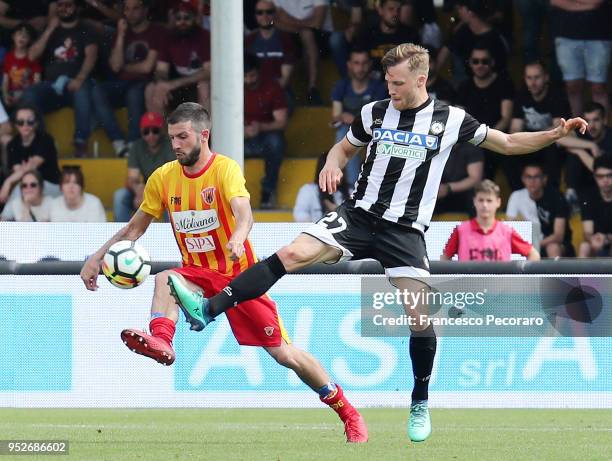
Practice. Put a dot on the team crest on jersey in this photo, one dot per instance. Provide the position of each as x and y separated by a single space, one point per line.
269 330
208 195
436 128
377 122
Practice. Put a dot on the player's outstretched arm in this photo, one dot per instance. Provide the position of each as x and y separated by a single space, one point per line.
132 231
525 143
337 158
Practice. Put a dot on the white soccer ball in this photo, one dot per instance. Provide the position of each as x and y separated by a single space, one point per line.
126 264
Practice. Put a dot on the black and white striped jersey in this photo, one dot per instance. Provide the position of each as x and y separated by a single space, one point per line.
405 158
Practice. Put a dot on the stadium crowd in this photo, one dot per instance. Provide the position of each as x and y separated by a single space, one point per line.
95 56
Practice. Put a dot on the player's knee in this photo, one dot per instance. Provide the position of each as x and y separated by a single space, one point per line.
294 255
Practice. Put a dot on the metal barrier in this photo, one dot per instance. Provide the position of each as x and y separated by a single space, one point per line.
560 266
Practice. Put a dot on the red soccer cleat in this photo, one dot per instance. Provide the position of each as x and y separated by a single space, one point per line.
355 429
144 344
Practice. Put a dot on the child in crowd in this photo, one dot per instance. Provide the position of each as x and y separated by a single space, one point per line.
483 238
19 71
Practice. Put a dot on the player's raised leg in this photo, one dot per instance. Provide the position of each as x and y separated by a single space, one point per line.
422 353
252 283
164 315
311 372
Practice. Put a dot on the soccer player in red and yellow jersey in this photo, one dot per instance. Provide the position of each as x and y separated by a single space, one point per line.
205 196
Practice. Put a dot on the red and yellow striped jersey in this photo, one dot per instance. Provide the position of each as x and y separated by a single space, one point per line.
200 211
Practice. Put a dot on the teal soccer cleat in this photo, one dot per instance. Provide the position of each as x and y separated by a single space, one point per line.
419 422
193 304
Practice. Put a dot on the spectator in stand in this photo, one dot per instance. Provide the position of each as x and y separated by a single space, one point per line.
340 41
102 16
437 86
421 16
69 51
487 95
311 204
32 12
532 13
75 205
32 204
311 20
538 106
349 95
31 149
483 238
583 44
147 154
183 66
597 212
265 119
274 48
133 59
462 172
472 29
387 33
19 72
546 207
6 129
598 142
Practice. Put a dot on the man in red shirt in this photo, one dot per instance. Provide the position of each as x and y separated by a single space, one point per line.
183 66
265 119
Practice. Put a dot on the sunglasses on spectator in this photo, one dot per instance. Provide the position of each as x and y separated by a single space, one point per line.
25 121
182 17
262 12
152 130
29 185
528 177
484 61
603 175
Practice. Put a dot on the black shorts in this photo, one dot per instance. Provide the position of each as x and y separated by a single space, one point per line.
359 235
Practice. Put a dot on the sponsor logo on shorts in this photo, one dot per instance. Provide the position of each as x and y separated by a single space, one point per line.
195 221
208 195
200 244
401 151
269 330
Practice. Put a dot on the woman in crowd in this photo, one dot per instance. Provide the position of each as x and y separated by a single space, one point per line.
32 204
76 205
31 149
311 204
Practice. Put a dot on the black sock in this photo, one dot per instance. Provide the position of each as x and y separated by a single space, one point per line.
251 284
422 353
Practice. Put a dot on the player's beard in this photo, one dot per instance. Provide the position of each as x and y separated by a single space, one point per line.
192 157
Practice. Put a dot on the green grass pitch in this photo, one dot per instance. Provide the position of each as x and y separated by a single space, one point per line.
295 434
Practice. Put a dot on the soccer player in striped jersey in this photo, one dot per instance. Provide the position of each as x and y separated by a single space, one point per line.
409 138
205 196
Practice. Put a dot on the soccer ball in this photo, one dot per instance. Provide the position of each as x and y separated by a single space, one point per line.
126 264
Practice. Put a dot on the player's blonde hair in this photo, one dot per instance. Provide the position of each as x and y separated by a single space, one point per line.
488 187
416 56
